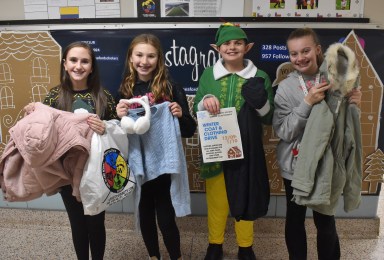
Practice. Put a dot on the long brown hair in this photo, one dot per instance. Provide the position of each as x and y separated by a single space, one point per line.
160 86
303 32
65 98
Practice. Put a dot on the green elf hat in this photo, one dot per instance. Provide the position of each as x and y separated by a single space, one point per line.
228 32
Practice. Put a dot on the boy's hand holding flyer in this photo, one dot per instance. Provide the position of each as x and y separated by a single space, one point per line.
220 135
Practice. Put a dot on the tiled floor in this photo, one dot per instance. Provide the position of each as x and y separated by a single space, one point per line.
33 234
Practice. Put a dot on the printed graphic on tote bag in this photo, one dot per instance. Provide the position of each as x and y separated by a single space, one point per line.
116 172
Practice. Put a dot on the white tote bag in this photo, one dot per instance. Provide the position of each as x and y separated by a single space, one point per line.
107 177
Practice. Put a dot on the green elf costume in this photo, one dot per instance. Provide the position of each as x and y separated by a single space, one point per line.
250 92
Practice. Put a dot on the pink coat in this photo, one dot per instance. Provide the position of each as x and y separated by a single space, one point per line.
47 150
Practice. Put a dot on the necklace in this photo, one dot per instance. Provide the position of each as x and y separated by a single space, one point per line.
304 86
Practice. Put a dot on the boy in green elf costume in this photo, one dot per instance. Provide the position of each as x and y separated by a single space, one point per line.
239 187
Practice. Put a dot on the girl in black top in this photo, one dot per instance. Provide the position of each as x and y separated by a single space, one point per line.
146 74
80 88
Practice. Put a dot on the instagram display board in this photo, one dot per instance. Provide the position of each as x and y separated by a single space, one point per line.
30 61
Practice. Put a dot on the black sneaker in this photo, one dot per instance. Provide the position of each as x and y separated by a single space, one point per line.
214 252
246 253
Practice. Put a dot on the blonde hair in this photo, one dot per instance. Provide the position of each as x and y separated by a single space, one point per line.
160 86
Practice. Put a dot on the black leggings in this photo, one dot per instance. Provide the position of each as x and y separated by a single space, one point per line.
155 202
328 247
86 230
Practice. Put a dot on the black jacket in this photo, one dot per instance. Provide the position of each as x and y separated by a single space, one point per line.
246 179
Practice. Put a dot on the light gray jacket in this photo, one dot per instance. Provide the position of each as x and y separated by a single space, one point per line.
289 120
330 159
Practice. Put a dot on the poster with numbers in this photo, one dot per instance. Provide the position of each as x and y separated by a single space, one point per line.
220 135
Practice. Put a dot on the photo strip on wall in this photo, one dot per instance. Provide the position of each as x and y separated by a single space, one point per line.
308 8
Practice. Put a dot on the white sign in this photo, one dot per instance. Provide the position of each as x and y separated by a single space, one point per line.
74 9
220 135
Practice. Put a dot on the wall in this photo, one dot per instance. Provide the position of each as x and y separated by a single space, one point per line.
374 13
15 10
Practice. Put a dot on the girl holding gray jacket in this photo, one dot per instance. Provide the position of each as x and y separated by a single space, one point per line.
294 100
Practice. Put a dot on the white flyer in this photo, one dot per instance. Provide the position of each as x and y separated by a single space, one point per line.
220 135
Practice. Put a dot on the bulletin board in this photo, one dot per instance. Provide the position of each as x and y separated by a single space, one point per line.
187 54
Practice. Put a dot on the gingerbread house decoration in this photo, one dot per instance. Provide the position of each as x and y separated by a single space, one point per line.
29 67
193 156
372 90
234 152
375 170
270 140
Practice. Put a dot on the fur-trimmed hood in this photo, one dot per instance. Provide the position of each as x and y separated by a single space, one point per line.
340 68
